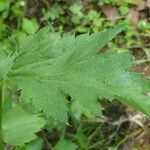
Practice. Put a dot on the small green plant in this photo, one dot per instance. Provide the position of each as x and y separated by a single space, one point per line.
43 69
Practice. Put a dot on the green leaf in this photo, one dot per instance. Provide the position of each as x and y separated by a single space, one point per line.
53 66
17 9
47 67
30 26
36 144
4 4
76 9
92 15
53 13
20 127
82 29
65 144
6 62
123 10
82 140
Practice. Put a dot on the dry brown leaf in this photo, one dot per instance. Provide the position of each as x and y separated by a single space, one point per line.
148 4
141 4
133 16
111 12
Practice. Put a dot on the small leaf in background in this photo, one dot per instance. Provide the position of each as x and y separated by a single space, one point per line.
20 127
82 29
123 10
3 30
76 9
92 15
53 13
5 14
65 145
76 110
144 25
34 145
17 9
82 140
104 1
4 4
30 26
95 17
77 14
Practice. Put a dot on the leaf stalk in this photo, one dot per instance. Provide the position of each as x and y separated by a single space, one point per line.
1 116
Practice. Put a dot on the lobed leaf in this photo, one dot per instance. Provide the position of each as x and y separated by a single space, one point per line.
47 67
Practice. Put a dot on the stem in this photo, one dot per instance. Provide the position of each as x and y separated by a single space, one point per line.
1 103
142 61
126 138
